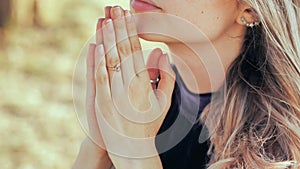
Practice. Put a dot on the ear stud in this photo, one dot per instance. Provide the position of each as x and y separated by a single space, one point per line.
249 24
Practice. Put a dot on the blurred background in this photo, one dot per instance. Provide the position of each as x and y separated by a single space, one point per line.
40 41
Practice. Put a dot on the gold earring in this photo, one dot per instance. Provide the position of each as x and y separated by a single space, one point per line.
248 24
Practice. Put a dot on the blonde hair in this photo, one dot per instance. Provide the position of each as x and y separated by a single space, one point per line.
259 104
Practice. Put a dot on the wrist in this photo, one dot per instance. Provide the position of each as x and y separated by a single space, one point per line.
91 148
149 158
92 156
136 163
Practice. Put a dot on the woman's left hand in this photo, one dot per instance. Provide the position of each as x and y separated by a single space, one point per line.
128 109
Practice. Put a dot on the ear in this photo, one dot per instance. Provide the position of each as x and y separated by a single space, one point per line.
248 13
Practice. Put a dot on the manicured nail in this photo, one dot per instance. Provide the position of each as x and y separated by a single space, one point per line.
117 12
107 11
108 21
108 25
99 24
101 48
127 13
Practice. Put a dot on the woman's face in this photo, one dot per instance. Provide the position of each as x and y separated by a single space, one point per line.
215 18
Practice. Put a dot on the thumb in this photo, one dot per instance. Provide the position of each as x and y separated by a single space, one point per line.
167 80
152 65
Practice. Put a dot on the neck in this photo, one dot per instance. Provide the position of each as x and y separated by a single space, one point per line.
203 66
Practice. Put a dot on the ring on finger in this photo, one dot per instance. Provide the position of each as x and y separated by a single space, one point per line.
116 68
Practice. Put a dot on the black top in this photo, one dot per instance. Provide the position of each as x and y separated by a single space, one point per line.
177 140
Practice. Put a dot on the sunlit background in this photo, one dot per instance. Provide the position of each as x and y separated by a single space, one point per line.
40 41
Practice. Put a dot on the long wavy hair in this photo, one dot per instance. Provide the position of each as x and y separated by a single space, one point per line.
259 104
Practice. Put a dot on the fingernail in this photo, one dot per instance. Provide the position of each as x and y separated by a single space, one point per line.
117 11
99 24
100 48
107 11
108 21
100 51
127 13
108 25
91 45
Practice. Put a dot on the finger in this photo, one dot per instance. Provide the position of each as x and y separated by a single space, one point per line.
152 65
94 130
167 79
136 48
104 105
112 57
103 94
99 38
107 12
99 23
123 44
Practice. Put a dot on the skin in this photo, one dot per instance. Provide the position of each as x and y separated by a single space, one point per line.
117 41
219 20
104 83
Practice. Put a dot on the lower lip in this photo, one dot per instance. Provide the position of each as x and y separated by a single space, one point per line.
142 6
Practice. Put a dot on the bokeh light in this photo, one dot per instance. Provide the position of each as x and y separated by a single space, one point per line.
39 46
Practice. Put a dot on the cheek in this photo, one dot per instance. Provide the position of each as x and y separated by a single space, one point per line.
212 24
212 28
212 17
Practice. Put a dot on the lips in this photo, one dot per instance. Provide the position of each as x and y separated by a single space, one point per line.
144 5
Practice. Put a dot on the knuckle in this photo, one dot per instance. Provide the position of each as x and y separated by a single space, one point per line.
101 78
131 29
124 49
113 61
136 46
119 25
100 64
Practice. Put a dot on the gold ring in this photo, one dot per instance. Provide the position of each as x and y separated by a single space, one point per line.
116 68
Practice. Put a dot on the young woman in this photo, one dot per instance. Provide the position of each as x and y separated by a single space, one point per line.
254 120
